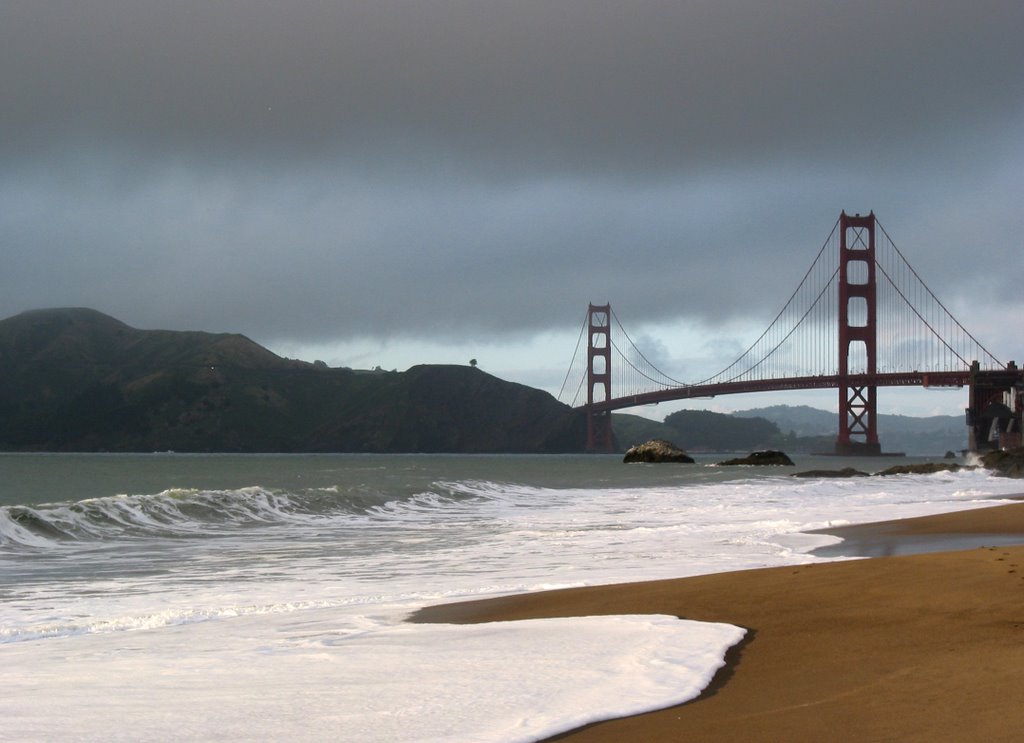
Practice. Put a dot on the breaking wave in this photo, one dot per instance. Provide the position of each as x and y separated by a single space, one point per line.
192 512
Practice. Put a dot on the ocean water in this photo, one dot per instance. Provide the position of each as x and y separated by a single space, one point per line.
262 597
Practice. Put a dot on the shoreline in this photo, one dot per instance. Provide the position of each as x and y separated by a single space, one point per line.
994 526
925 645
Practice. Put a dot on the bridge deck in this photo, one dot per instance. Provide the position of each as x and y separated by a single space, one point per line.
895 379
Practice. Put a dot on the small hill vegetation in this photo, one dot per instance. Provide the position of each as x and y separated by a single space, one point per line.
78 380
799 429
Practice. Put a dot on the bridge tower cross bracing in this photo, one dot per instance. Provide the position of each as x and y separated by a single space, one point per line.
599 378
858 323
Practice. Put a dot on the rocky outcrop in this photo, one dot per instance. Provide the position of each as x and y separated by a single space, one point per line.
657 450
924 468
844 472
761 458
1009 463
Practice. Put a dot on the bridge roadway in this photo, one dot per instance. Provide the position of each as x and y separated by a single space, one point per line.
835 381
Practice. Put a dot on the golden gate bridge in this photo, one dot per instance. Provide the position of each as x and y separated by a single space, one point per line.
861 318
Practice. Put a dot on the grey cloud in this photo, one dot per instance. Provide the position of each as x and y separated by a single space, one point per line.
575 84
470 168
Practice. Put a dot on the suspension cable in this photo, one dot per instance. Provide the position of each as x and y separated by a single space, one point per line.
936 299
781 312
641 354
579 340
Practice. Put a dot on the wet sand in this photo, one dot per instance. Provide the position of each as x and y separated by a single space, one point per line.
942 533
913 647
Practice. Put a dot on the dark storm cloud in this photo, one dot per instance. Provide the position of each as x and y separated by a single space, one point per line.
317 169
588 84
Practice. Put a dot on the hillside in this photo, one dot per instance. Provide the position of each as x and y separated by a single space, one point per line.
703 430
797 429
929 435
78 380
631 430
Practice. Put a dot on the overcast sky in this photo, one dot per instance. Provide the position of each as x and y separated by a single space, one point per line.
400 181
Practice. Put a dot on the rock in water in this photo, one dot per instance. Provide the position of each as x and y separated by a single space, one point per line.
657 450
924 468
844 472
761 458
1009 463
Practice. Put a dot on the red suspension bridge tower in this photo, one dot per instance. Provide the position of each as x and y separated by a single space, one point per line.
858 336
599 378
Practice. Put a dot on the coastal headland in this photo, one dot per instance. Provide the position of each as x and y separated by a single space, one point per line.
76 380
912 647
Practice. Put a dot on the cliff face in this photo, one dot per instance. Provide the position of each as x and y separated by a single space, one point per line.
78 380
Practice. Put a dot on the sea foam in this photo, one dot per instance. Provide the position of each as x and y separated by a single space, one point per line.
499 682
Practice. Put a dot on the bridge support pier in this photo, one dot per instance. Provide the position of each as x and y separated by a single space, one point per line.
858 321
600 438
857 416
995 409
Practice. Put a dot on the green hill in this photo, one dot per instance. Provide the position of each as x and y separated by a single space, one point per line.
702 429
631 430
798 429
931 435
78 380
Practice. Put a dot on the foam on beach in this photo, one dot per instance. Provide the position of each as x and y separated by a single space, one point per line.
503 681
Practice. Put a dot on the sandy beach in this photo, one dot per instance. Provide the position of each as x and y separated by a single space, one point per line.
907 647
